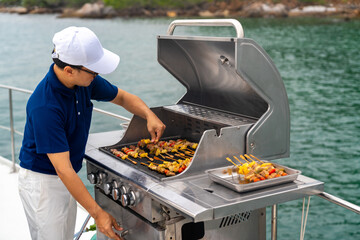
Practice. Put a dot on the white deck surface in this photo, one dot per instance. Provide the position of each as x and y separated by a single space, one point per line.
13 223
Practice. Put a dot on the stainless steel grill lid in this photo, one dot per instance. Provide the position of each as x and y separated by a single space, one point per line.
231 75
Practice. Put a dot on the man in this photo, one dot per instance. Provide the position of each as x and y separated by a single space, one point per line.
57 126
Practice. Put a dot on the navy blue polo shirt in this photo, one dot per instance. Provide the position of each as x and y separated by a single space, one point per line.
58 120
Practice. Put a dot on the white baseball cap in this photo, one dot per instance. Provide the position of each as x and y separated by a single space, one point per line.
79 46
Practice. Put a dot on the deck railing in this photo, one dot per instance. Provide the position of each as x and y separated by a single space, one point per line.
13 131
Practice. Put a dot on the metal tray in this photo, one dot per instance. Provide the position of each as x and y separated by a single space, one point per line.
232 181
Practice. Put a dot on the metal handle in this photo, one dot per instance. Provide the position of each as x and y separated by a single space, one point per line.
208 22
124 232
78 234
340 202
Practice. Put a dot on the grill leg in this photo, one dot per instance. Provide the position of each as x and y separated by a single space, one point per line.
274 222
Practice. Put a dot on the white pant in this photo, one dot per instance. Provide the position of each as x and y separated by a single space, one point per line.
49 207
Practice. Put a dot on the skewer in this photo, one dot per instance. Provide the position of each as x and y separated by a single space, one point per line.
183 155
252 159
187 150
169 155
159 159
189 153
243 158
142 155
178 155
162 170
172 158
238 160
163 156
231 161
256 158
131 160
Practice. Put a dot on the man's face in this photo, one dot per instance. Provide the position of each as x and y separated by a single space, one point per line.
83 76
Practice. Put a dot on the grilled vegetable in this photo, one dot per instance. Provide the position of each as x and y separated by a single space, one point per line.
130 152
179 153
254 172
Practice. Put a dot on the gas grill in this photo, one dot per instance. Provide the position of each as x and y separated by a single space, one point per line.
235 103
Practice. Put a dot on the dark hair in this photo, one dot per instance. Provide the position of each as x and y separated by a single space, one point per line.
62 64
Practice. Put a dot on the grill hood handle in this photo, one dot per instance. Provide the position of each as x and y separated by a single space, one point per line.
208 22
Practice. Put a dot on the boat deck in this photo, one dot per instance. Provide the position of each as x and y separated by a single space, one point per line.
13 220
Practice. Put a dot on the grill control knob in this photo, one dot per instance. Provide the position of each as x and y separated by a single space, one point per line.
124 200
132 197
123 190
107 188
101 178
128 199
115 194
92 178
115 190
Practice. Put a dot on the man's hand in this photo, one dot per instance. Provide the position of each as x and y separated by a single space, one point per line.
155 127
105 223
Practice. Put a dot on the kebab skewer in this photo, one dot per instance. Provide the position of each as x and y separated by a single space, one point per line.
122 155
177 166
238 160
130 152
169 146
255 158
243 158
141 152
254 171
159 169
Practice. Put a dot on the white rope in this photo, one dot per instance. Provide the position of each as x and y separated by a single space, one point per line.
306 215
302 219
303 222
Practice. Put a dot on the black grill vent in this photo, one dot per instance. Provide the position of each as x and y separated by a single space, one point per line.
234 219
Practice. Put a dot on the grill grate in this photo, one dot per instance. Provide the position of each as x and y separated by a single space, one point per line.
138 165
209 114
234 219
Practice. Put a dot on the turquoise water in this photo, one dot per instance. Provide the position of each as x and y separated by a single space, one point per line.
318 60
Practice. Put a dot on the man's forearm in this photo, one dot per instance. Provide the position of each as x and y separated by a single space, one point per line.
136 106
78 190
133 104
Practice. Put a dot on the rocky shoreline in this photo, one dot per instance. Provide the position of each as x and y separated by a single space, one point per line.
258 9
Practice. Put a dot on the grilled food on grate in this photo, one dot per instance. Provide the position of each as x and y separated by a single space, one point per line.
174 155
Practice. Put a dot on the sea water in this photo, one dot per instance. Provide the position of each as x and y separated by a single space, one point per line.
318 60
